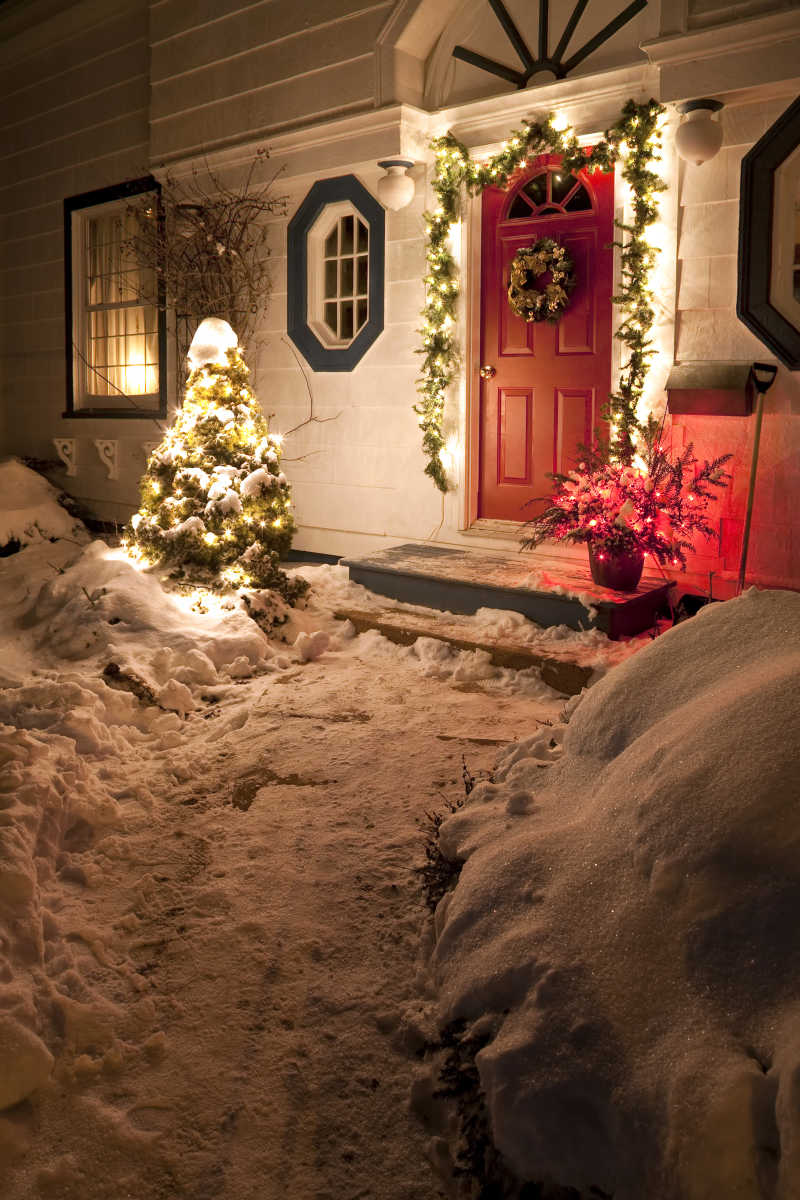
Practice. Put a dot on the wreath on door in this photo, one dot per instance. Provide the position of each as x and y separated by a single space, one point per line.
546 303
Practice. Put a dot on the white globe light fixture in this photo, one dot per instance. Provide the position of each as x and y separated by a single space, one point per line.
395 188
699 136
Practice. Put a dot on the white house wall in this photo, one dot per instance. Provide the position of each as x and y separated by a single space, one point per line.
75 103
358 471
221 67
702 14
707 329
103 90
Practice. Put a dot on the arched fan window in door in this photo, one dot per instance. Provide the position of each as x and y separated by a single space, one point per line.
549 193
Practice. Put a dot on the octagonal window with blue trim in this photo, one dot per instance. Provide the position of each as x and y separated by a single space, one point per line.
335 280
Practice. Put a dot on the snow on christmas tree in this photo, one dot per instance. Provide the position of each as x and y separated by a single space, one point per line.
214 501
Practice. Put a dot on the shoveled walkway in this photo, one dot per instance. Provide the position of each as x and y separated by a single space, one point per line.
257 924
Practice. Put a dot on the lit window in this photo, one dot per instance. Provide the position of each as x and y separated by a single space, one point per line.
116 328
335 275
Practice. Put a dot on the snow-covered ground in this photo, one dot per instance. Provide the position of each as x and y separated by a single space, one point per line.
210 921
29 513
625 928
216 969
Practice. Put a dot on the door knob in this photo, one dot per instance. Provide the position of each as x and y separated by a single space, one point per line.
488 371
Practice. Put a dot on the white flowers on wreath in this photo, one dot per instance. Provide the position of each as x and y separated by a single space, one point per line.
547 303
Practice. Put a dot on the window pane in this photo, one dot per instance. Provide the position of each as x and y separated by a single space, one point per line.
119 355
339 291
520 208
581 200
105 236
112 273
561 184
123 351
134 350
536 189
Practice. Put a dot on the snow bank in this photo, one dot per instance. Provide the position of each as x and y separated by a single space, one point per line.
625 924
113 667
29 508
104 605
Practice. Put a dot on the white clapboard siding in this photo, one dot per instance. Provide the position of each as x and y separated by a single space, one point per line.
211 34
75 96
257 69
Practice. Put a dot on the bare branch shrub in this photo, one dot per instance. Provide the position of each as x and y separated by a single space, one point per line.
203 250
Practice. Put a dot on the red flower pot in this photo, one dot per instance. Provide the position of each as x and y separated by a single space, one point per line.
620 571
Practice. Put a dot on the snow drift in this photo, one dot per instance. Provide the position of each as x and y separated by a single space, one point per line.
103 604
29 509
625 924
72 743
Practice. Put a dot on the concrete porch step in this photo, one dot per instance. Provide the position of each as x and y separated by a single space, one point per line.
462 581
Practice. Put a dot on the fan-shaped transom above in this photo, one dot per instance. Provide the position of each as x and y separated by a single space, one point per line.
549 192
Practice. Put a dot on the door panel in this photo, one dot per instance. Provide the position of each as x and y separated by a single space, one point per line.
516 337
551 379
514 436
575 332
573 414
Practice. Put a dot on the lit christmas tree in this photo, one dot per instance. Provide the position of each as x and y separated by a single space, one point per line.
214 501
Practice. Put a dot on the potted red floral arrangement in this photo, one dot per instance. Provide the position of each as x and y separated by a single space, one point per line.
653 505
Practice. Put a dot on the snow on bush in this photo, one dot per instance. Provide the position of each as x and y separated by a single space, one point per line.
103 604
625 924
257 482
29 508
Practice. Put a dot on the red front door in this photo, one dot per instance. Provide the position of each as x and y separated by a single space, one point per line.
550 380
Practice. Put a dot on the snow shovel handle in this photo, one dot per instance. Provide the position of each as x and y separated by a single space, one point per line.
762 376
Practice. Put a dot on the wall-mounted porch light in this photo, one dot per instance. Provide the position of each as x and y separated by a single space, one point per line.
395 188
698 137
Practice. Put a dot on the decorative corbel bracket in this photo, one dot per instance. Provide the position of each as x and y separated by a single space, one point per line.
109 456
66 449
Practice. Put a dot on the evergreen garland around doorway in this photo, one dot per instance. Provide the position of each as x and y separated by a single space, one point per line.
635 142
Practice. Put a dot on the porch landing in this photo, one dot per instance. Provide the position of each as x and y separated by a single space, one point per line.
462 581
